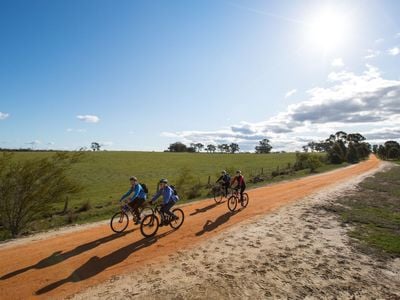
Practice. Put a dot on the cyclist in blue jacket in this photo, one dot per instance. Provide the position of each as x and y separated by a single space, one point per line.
137 199
169 198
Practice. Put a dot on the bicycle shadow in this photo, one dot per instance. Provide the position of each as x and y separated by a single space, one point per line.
96 265
59 256
212 225
204 209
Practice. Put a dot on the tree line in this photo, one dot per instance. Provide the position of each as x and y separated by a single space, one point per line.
390 150
342 147
264 146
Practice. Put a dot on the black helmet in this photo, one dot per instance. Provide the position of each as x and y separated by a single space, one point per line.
163 180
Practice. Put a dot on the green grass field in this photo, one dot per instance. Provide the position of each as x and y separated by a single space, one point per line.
104 177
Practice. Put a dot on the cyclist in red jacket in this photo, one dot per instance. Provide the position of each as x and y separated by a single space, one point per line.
241 184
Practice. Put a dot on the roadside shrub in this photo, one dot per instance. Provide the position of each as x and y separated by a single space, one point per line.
308 161
85 206
28 188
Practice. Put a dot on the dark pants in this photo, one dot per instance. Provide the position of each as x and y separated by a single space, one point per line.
135 205
242 188
225 185
166 208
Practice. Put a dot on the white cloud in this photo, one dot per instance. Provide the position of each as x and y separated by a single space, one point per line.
378 41
337 62
89 118
3 116
372 53
290 93
76 130
361 102
394 51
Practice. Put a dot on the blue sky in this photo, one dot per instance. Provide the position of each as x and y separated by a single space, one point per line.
138 75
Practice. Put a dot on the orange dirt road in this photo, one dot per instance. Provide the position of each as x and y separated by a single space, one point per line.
65 264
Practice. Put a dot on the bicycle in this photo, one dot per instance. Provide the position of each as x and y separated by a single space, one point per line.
219 192
120 220
151 223
235 198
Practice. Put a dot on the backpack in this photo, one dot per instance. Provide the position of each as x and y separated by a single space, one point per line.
174 190
144 187
227 178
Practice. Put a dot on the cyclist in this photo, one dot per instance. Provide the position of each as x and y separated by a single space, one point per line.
137 199
241 184
169 199
226 181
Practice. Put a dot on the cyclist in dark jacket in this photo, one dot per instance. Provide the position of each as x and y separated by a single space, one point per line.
137 199
241 184
226 181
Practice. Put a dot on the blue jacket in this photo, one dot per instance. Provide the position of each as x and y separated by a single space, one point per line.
137 191
167 193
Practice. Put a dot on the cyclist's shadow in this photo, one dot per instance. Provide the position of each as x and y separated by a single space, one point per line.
204 209
96 265
59 256
212 225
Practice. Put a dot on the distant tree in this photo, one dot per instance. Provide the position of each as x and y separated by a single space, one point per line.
95 146
220 148
177 147
392 150
375 149
233 147
264 146
28 188
191 149
305 148
211 148
199 147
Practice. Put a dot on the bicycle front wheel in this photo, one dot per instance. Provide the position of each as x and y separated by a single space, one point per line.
245 200
119 222
218 195
180 217
232 203
149 225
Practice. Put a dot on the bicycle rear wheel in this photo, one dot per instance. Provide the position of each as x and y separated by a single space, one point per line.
232 203
149 225
245 200
119 222
180 218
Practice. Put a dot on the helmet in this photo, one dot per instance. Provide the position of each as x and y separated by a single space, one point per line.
163 180
133 178
223 172
238 172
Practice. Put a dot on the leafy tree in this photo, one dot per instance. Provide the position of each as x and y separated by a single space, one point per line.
199 147
264 146
28 188
211 148
177 147
375 149
95 146
233 148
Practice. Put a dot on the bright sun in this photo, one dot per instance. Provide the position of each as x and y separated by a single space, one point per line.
328 30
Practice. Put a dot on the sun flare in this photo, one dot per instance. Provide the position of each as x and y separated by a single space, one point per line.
328 30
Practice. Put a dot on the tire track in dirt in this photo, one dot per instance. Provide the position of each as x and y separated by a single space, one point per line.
63 265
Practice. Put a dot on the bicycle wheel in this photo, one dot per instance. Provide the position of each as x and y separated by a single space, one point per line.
149 225
180 218
218 195
119 222
232 203
145 211
245 200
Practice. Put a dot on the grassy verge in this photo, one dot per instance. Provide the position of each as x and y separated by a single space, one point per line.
373 212
104 176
